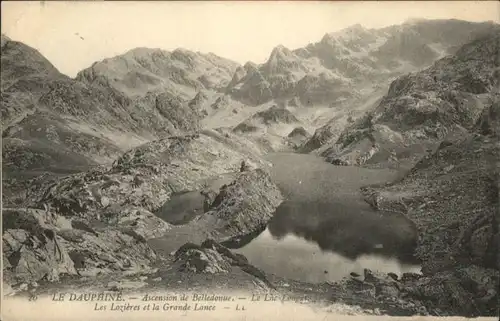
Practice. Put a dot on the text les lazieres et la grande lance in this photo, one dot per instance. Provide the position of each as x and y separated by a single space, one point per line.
115 301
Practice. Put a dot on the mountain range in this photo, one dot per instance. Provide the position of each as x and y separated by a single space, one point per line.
51 121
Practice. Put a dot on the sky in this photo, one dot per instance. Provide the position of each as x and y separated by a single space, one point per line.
242 31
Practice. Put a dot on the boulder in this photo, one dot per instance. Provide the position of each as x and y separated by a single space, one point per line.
201 260
33 249
36 248
239 212
213 258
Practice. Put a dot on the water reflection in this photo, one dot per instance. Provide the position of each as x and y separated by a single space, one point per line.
318 241
296 258
350 230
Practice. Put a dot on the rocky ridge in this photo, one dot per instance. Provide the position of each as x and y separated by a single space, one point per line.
421 109
181 72
452 195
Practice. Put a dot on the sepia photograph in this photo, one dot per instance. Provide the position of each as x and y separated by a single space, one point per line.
250 160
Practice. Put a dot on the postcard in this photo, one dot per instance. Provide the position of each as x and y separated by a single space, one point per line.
261 160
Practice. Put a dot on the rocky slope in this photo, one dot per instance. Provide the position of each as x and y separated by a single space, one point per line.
52 122
43 246
452 195
100 220
180 72
329 130
146 175
421 109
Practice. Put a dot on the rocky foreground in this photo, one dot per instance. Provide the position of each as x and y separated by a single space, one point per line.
98 230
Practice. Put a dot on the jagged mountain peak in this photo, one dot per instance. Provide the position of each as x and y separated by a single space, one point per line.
147 51
348 33
27 60
181 71
280 50
184 51
180 54
280 53
215 56
327 38
183 54
355 59
351 30
281 61
143 51
250 67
